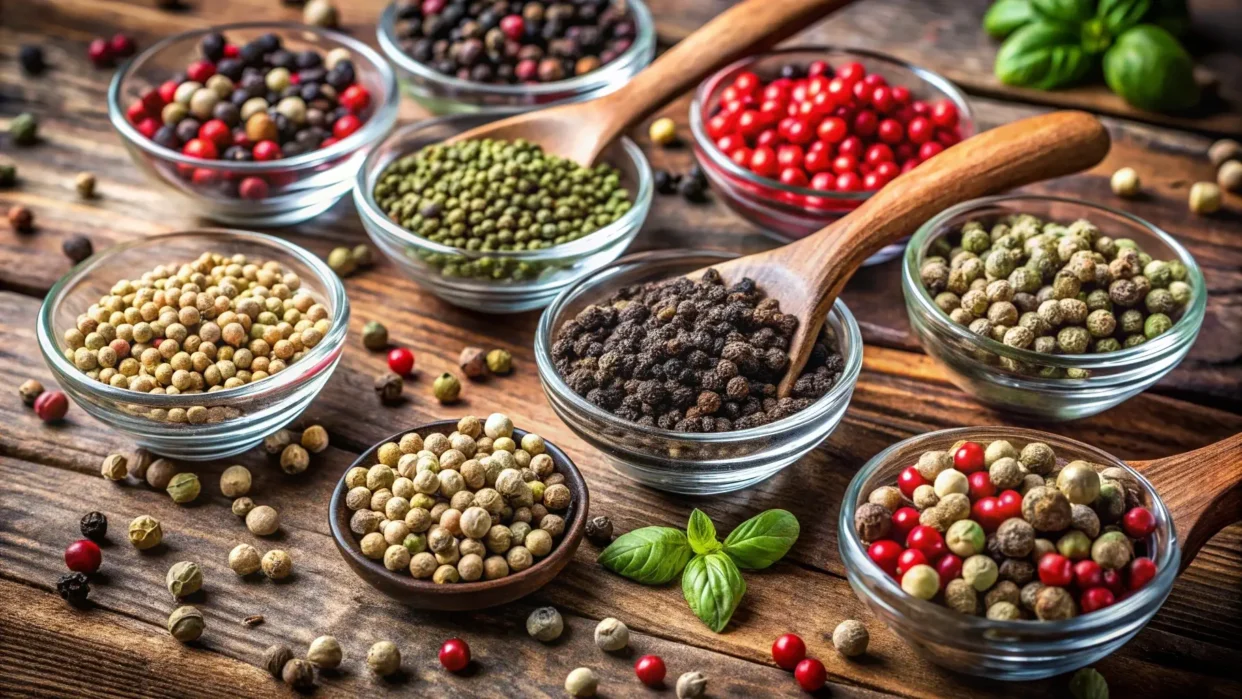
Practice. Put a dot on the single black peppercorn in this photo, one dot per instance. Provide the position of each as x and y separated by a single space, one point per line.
599 530
31 58
666 182
692 189
94 526
73 588
77 248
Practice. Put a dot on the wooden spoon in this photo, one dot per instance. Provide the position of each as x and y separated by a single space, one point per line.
807 275
1202 490
582 131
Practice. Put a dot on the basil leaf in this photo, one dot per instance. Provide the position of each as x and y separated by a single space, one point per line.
1064 11
1150 70
651 555
1043 56
763 539
1120 15
713 586
1006 16
702 533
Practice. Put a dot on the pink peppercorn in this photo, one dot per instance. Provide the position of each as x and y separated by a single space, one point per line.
200 71
252 188
122 45
51 406
83 556
513 26
100 53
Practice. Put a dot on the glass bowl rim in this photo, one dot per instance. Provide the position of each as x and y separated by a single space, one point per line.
948 620
331 343
380 122
917 294
644 38
720 161
368 174
552 380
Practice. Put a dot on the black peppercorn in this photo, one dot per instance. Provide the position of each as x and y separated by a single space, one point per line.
187 129
692 189
77 248
599 530
666 182
212 46
94 526
31 58
73 588
167 136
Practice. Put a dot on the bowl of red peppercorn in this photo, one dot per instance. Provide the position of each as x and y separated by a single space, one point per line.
259 123
795 138
1055 601
454 56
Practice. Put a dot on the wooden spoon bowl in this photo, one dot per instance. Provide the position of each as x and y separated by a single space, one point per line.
463 596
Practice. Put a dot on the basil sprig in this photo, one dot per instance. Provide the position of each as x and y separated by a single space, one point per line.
710 577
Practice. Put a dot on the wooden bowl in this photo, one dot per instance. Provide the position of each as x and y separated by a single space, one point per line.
456 597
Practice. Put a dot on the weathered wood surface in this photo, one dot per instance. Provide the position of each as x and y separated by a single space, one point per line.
51 474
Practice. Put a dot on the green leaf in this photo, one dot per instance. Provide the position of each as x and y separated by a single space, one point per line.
651 555
1005 17
1149 69
1088 684
1069 12
1043 56
713 586
702 533
1120 15
763 539
1095 36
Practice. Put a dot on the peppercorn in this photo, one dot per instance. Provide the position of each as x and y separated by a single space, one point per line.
21 219
545 624
582 682
965 538
85 184
31 59
1205 198
74 588
242 507
325 652
274 659
94 526
850 638
1223 151
980 571
244 559
384 658
184 578
24 129
276 442
375 336
692 189
362 256
446 388
315 439
276 564
298 674
341 261
472 362
388 387
30 390
320 13
160 473
184 488
1047 509
186 624
872 522
294 459
1125 182
499 361
922 581
263 520
1054 603
1229 177
113 467
663 132
235 481
145 532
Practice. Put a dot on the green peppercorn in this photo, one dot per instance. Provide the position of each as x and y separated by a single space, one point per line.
341 260
499 361
24 129
362 256
184 488
374 336
446 388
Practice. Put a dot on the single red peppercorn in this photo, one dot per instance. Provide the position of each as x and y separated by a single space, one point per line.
763 161
136 112
811 675
852 72
866 123
217 132
980 485
817 67
1010 504
908 559
51 406
1088 574
346 125
908 480
650 670
891 131
148 126
1055 569
885 554
926 539
919 130
122 45
83 556
268 150
433 7
100 53
904 519
944 114
355 98
200 148
199 71
232 50
1139 523
252 188
843 164
204 176
948 566
454 655
788 650
851 146
1096 598
1142 570
986 511
153 101
400 361
930 150
746 82
527 69
1113 581
513 26
793 177
823 181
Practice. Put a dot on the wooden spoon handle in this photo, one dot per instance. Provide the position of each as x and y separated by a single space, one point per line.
1202 490
745 28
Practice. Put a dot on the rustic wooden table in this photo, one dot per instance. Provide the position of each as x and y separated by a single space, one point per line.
119 647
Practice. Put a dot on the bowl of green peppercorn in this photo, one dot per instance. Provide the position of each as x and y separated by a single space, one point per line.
497 226
1050 307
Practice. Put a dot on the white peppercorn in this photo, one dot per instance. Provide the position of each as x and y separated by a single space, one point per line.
396 557
545 624
263 521
294 459
244 559
325 652
582 682
383 658
691 685
850 638
612 634
235 481
276 564
242 506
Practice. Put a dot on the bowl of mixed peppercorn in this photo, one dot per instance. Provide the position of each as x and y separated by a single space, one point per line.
674 380
795 138
498 226
260 123
465 55
1051 307
1008 553
195 344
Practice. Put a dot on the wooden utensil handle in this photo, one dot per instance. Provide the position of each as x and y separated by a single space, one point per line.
745 28
1202 490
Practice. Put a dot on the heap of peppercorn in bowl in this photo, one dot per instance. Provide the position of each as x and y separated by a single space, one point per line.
196 344
261 124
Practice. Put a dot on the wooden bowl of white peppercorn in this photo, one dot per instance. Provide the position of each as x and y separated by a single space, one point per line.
459 596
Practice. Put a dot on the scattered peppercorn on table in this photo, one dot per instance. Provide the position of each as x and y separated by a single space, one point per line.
256 538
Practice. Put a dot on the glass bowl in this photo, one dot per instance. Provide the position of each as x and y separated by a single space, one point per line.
784 212
447 94
238 418
679 462
1009 378
535 276
975 645
299 187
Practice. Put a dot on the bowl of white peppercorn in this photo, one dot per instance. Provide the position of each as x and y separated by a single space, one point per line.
196 344
447 516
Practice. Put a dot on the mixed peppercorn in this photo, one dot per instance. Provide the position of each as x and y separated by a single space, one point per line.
1011 534
691 356
514 41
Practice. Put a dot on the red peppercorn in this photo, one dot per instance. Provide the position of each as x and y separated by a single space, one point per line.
823 181
948 567
817 160
884 553
122 45
763 161
811 675
1088 574
986 511
1055 569
908 480
1096 598
232 50
204 177
400 361
891 131
901 95
148 126
252 188
1139 523
153 101
433 7
136 112
1142 570
527 69
788 650
944 114
904 519
51 406
100 53
650 670
746 82
168 90
968 458
454 655
199 71
919 130
851 72
83 556
908 559
346 125
740 156
930 150
882 99
888 171
866 123
843 164
1010 504
926 539
790 156
768 137
328 141
513 26
817 67
217 132
268 150
981 485
878 153
355 98
200 148
793 177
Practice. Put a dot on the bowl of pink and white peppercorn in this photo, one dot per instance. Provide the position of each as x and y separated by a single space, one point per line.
1053 569
261 123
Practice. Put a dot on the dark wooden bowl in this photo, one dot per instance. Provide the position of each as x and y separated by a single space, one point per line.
457 597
